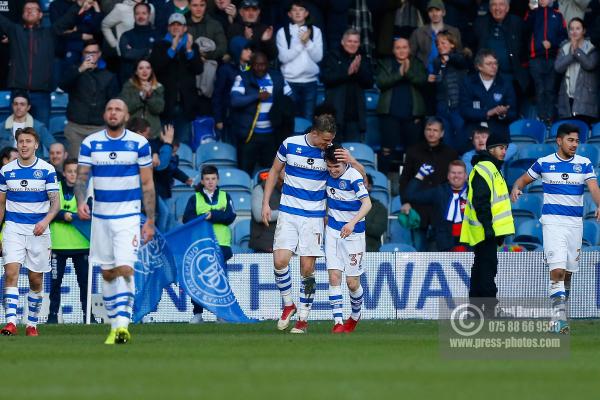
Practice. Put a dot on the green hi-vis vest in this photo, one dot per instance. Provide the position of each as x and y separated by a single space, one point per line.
222 232
64 235
472 231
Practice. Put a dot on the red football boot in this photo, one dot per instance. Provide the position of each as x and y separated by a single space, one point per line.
350 325
9 329
300 327
338 328
31 331
286 315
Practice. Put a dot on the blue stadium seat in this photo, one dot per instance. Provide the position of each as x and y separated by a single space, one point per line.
382 195
256 178
398 234
371 99
186 155
528 232
242 202
395 205
362 152
527 131
590 151
189 171
233 179
584 130
595 134
526 156
180 199
373 134
535 187
217 153
589 207
397 247
591 233
241 232
5 101
241 250
301 125
57 124
60 101
590 248
380 181
528 205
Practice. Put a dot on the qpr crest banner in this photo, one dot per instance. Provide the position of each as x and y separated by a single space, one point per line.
200 269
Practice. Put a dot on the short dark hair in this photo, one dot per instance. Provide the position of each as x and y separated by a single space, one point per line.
90 42
256 54
577 19
138 124
70 161
209 169
480 129
27 131
434 120
369 180
483 53
329 155
324 123
324 109
566 129
5 152
298 3
143 5
20 93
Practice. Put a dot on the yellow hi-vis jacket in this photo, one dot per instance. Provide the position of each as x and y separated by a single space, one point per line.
472 231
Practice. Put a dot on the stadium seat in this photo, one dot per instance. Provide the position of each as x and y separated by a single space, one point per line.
242 202
528 205
60 101
241 232
590 151
527 131
591 233
528 232
382 195
57 124
362 152
241 250
373 135
301 125
380 181
595 134
535 187
589 207
180 199
397 247
395 205
526 156
235 180
219 154
584 130
398 234
371 99
186 155
256 178
189 171
5 101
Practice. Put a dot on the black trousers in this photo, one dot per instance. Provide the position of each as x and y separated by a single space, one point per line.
483 289
59 262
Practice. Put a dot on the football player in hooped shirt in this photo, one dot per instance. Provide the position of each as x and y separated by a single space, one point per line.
300 224
348 203
564 176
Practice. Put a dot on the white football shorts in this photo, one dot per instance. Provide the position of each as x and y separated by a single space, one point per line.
345 254
115 242
33 252
562 246
301 235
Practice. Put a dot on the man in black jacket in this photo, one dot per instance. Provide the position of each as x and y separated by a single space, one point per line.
250 27
176 61
346 75
448 201
90 86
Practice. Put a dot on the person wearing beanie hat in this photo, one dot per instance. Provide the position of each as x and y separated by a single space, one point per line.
487 221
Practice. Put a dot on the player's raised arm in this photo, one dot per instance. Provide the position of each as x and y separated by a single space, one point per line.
149 202
274 173
80 189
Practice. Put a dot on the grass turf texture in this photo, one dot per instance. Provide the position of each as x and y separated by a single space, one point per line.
381 360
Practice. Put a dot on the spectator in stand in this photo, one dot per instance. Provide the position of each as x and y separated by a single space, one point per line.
145 96
545 30
423 39
69 44
13 11
164 10
90 86
573 8
346 75
217 206
200 24
479 139
401 107
32 55
120 20
225 12
376 221
8 154
487 97
261 236
578 59
264 113
436 154
300 47
449 69
176 61
448 201
58 155
19 119
241 53
137 43
249 27
502 33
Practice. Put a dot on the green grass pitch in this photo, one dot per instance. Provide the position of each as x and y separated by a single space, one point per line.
381 360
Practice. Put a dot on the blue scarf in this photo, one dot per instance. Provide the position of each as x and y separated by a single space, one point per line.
453 213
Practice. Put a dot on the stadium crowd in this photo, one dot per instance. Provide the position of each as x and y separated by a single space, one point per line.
416 88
